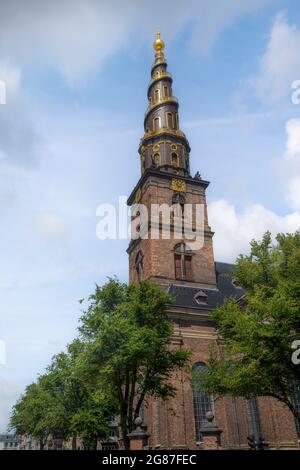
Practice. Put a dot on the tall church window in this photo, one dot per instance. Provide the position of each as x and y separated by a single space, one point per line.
139 265
156 123
183 262
296 404
203 401
253 418
166 91
170 123
157 95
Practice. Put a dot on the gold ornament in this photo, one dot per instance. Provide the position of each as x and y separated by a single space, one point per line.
178 185
158 44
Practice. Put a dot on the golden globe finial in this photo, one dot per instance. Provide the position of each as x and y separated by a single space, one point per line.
158 44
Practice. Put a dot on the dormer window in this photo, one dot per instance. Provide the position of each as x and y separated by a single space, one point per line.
235 283
201 298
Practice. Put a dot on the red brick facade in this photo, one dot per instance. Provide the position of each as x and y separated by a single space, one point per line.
172 424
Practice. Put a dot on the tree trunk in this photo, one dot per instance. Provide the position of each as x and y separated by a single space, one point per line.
126 441
42 444
124 431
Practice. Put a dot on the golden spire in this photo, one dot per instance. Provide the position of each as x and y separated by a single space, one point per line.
158 45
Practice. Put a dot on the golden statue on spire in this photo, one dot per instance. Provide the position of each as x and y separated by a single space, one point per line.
158 45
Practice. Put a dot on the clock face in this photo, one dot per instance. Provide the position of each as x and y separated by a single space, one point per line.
178 185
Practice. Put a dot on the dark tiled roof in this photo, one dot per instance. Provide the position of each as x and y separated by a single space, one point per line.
185 296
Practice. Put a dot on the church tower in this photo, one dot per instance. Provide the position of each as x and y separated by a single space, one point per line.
166 179
195 281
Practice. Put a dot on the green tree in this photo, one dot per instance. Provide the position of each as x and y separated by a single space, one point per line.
36 413
128 354
59 404
91 421
87 415
257 331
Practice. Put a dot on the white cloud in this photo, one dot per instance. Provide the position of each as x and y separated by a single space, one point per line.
293 141
51 226
292 162
210 20
234 230
280 64
76 37
19 138
11 76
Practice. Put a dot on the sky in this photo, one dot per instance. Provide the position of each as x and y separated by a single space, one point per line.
76 75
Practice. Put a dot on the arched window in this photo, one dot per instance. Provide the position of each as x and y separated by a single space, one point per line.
156 123
296 404
175 159
253 418
155 159
203 401
157 95
139 265
183 262
169 119
166 91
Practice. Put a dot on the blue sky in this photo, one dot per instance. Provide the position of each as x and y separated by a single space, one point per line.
76 75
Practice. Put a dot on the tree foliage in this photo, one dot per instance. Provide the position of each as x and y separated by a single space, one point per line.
59 404
128 355
257 332
36 413
123 356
